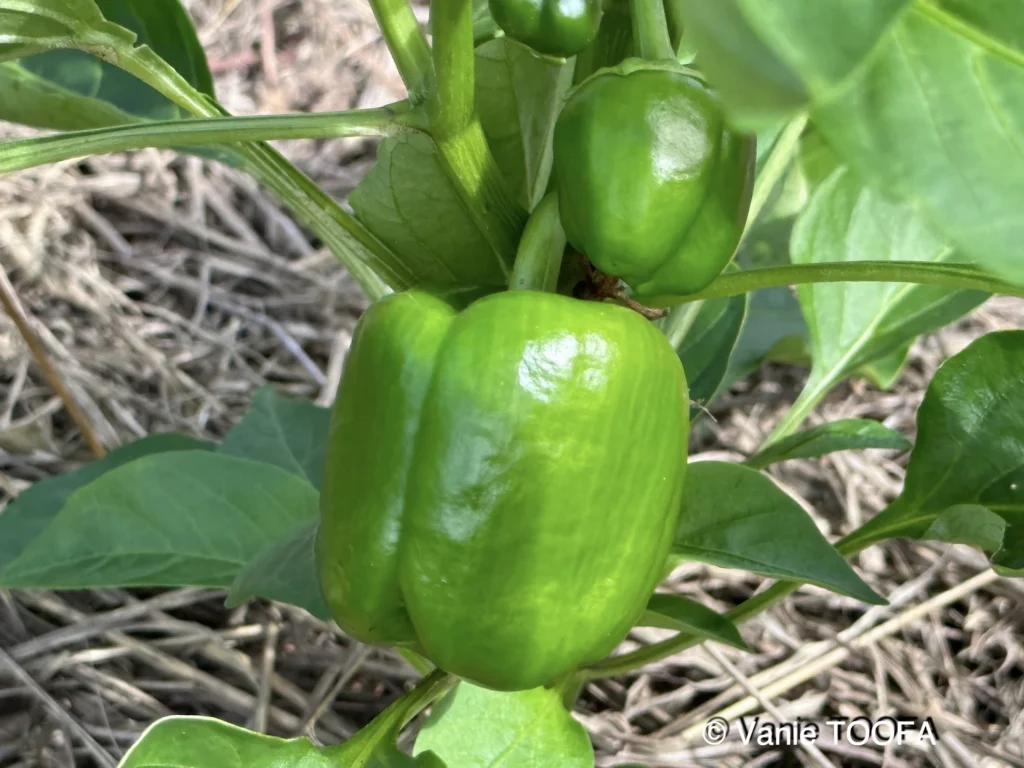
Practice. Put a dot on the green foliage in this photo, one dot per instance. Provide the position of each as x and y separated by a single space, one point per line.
203 742
408 202
64 87
843 435
35 509
518 95
923 100
174 519
285 570
707 344
969 456
735 517
290 434
685 615
473 727
853 324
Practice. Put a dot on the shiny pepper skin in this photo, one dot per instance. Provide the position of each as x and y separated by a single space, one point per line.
502 483
653 186
560 28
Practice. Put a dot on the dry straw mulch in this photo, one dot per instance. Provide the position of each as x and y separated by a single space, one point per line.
167 290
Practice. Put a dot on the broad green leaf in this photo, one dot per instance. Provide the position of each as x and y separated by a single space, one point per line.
474 727
705 348
969 450
885 371
29 99
290 434
518 96
970 524
923 99
205 742
185 518
284 571
843 435
852 324
33 510
66 88
685 615
735 517
408 202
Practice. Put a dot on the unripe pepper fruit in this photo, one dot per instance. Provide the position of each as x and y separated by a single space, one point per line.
560 28
653 186
503 482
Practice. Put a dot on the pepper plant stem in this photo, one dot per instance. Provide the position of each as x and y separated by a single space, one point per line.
459 136
948 275
539 258
352 243
408 46
18 154
359 750
650 30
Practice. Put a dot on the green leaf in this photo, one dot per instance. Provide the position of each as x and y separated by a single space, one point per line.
885 371
774 329
969 451
970 524
185 518
29 99
853 324
204 742
923 99
843 435
67 88
290 434
735 517
685 615
518 96
31 512
705 350
284 571
408 202
474 727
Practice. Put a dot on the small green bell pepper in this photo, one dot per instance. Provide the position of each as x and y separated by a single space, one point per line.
503 482
560 28
653 186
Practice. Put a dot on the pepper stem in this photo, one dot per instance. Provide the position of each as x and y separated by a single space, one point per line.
650 30
539 258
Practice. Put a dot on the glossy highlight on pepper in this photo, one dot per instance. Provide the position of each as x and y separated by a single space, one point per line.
502 482
653 186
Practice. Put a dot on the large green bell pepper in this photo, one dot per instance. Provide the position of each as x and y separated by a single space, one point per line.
653 186
553 27
502 483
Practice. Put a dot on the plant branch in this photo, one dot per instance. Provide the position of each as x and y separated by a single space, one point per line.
650 30
18 315
18 154
964 276
408 46
459 136
360 748
358 249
